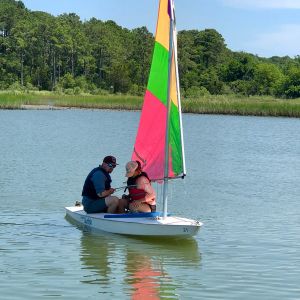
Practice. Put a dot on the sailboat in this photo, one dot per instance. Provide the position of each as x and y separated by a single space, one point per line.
159 144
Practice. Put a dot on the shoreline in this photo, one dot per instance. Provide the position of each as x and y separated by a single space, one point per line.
52 107
40 107
214 105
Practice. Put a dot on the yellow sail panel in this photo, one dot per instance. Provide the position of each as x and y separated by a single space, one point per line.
162 35
173 83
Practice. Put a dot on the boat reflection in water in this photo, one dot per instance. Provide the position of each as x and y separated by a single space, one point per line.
136 267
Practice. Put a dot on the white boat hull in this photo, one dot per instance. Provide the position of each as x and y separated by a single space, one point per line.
145 226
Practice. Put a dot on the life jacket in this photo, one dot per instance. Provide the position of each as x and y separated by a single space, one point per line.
88 187
135 193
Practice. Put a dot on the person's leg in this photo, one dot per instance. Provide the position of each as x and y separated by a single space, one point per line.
112 203
94 206
137 206
123 203
153 208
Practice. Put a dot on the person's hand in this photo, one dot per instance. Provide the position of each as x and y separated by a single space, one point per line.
106 193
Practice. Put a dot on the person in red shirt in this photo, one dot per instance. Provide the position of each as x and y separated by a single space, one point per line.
142 196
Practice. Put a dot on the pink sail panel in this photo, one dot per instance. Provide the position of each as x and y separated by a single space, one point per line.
149 146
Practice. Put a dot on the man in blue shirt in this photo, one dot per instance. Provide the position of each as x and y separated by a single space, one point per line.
97 190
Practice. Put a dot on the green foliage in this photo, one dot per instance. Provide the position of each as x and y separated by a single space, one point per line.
64 54
67 81
266 78
137 90
290 85
211 81
240 66
211 47
242 87
196 92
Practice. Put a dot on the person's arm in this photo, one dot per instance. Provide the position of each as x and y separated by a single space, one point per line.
106 193
144 184
98 180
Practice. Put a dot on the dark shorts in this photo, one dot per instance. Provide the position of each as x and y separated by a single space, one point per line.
91 206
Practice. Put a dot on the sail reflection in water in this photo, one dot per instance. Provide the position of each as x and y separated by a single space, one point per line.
140 265
143 276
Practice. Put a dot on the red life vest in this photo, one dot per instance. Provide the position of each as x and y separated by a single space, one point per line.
134 193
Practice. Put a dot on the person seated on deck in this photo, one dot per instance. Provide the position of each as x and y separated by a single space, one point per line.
97 190
142 195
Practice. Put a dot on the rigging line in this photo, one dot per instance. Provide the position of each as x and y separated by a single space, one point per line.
125 186
169 178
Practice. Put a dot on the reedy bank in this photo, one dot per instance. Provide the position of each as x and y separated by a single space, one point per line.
231 105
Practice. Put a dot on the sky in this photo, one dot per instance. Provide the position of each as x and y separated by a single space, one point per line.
262 27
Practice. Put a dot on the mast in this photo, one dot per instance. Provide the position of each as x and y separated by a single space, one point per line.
179 96
166 168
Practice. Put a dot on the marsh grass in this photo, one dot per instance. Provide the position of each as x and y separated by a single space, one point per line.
233 105
17 100
255 106
105 102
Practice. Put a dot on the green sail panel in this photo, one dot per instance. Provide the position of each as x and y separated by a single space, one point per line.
158 78
175 140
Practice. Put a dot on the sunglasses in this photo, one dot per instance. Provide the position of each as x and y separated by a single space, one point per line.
111 166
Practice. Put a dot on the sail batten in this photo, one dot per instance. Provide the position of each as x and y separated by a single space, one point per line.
159 140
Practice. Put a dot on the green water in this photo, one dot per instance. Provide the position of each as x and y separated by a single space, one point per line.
243 184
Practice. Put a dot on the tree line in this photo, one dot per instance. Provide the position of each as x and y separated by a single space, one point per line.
39 51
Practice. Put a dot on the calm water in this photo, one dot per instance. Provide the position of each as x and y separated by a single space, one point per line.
243 183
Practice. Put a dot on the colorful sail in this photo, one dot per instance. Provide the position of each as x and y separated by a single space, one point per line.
159 135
